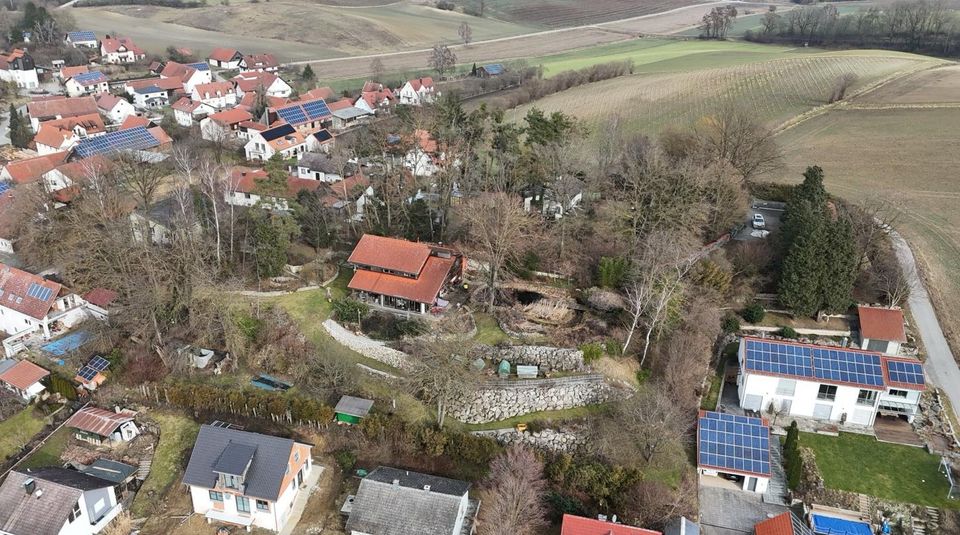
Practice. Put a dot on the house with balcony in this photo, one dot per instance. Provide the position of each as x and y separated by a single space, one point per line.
403 275
827 383
56 501
281 139
246 479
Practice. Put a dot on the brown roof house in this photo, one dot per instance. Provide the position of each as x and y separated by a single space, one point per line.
403 275
96 425
225 58
56 501
881 329
59 108
22 377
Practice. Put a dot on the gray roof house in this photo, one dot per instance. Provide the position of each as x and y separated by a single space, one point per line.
245 478
54 501
391 501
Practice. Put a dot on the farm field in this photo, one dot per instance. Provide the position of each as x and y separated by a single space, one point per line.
674 86
565 13
891 152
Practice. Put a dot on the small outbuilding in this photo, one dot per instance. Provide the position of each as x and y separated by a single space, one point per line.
351 410
527 372
22 377
96 425
881 329
503 370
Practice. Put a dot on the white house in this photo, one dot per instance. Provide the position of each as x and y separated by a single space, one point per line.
827 383
189 75
243 190
738 446
63 134
120 50
22 377
217 95
374 97
187 112
282 139
225 58
114 108
391 500
87 83
81 39
881 329
417 92
150 97
246 479
425 157
252 81
18 67
76 172
56 501
260 62
223 125
98 426
315 166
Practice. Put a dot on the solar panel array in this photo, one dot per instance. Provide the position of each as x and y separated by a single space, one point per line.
137 138
303 112
316 109
493 69
82 36
37 291
733 443
323 135
4 186
99 363
293 115
87 373
92 76
277 132
910 373
201 66
807 361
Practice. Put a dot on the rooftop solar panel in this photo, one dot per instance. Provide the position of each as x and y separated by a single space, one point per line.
137 138
4 186
316 109
82 36
199 66
805 361
88 77
98 363
322 135
733 443
903 372
87 373
39 292
293 115
277 132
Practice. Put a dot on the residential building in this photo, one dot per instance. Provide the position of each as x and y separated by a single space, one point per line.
320 141
564 195
578 525
18 67
172 87
69 72
348 197
391 501
270 83
246 479
120 50
188 112
260 62
70 174
403 275
281 139
417 92
306 116
114 108
30 303
490 70
345 114
122 475
189 75
374 98
98 426
881 329
22 377
87 83
59 108
99 302
30 170
223 126
225 58
150 97
81 39
734 447
56 501
217 95
850 386
351 410
785 523
139 140
157 223
314 166
245 190
63 134
425 157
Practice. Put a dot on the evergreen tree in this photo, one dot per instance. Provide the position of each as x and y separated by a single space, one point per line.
812 193
308 74
271 235
20 134
840 266
803 267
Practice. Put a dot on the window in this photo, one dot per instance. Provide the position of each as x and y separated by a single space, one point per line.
786 387
216 496
866 397
296 456
262 505
243 504
231 481
898 393
76 513
827 392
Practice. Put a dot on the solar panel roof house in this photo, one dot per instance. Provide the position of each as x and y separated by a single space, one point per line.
734 445
849 386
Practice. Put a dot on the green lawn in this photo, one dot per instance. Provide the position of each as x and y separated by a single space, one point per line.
488 331
49 454
859 463
17 430
177 435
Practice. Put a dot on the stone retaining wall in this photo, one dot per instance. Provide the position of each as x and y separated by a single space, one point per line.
367 347
499 400
547 358
548 439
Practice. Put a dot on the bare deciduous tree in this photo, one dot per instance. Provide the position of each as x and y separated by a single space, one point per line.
643 426
735 136
466 33
440 373
840 87
377 69
513 495
441 59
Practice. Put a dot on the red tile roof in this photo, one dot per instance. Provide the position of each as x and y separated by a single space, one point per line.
577 525
81 169
32 169
100 297
244 179
62 107
133 121
166 84
223 54
296 185
70 72
417 83
344 190
373 94
232 116
106 101
251 80
423 289
54 133
110 45
339 105
425 141
214 89
253 125
390 254
160 135
260 61
15 290
52 136
185 104
881 324
324 92
781 524
23 374
98 421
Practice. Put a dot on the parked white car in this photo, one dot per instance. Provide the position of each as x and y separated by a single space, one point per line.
758 221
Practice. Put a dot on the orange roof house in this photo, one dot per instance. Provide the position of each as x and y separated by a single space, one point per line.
22 377
31 169
403 274
578 525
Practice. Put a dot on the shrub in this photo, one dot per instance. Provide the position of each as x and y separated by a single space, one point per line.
346 309
613 347
248 325
446 5
730 324
791 456
389 327
611 271
642 376
561 504
472 448
591 352
754 313
787 331
431 441
345 459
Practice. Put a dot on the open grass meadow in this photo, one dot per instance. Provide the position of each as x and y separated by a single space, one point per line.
859 463
177 436
17 430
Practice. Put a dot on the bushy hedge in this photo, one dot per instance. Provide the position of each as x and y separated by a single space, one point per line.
346 309
248 401
753 313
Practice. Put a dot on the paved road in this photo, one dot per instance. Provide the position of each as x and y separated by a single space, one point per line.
941 367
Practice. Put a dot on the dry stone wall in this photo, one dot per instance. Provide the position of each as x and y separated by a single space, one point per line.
367 347
547 358
499 400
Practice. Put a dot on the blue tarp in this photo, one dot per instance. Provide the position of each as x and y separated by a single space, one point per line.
67 344
828 525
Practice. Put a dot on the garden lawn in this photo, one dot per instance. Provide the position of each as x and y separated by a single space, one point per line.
49 454
177 436
488 332
17 430
859 463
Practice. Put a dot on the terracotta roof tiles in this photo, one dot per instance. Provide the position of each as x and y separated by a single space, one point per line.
23 374
22 291
881 324
578 525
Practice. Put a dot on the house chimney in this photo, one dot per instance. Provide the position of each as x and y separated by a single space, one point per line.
426 488
116 409
614 519
29 486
